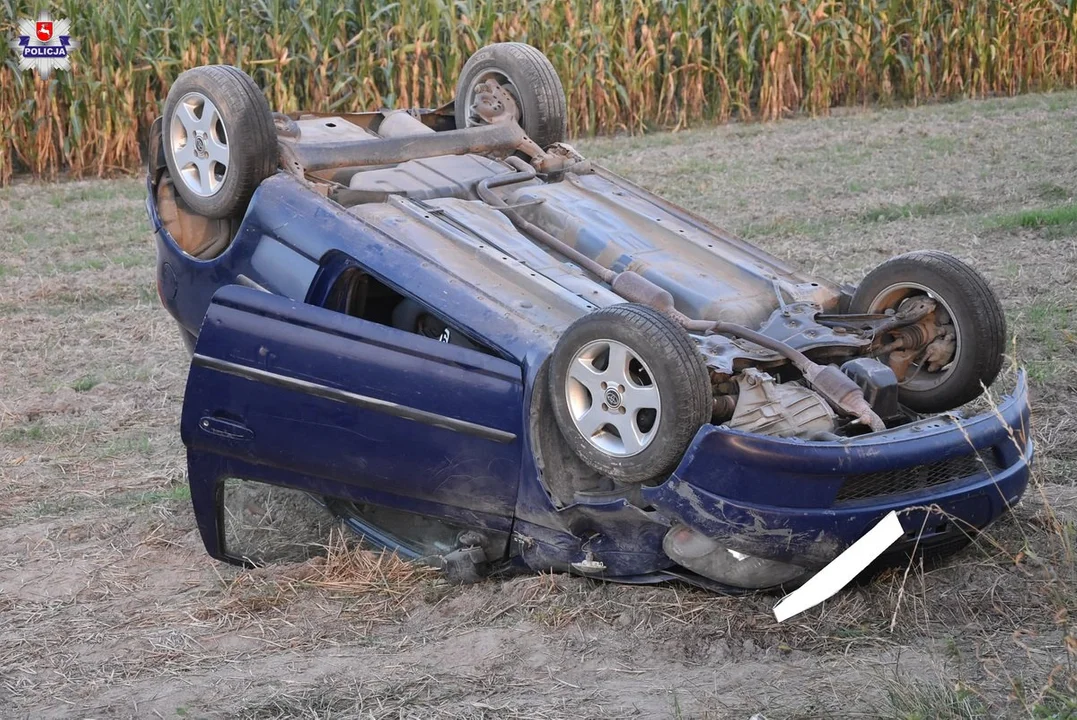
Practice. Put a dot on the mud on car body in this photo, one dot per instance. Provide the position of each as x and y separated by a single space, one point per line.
474 344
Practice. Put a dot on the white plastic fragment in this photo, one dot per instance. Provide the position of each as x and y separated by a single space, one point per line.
842 569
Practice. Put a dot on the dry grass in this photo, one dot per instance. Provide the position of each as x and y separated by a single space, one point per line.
626 64
377 585
111 609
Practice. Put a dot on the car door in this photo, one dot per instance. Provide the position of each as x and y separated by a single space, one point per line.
291 394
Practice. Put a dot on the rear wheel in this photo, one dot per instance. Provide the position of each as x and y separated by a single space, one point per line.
629 390
969 321
218 138
529 80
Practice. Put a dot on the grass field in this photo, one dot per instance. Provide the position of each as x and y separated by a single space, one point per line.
110 608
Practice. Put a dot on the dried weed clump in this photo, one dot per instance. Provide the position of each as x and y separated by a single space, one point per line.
378 586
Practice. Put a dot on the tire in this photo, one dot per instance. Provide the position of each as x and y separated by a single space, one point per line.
234 149
532 82
976 313
662 390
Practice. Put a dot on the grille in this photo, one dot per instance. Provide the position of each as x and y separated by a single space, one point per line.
918 477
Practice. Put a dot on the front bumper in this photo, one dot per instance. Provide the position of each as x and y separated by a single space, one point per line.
803 502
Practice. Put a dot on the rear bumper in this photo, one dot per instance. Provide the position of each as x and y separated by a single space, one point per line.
803 502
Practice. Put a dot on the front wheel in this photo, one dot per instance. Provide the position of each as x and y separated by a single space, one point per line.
967 328
629 389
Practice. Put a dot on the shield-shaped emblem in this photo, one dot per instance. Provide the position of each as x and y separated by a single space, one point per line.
44 30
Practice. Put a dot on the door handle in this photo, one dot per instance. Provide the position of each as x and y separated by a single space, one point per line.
226 428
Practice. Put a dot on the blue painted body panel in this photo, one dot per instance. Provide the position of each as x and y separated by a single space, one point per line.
775 497
249 411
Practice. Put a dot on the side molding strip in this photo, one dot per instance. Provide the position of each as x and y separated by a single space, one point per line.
350 398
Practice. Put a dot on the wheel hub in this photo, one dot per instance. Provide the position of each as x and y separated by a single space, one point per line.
199 144
614 401
923 355
493 101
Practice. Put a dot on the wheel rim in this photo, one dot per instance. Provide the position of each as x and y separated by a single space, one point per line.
612 398
199 144
473 118
919 378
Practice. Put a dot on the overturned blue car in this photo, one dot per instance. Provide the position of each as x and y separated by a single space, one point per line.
480 348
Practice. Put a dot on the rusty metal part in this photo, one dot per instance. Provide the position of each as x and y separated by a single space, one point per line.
916 307
844 394
503 138
900 360
912 337
940 351
723 408
786 410
559 157
633 286
546 162
928 341
493 104
285 126
829 381
565 150
289 159
878 324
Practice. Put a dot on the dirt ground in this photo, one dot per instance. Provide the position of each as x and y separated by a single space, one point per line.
110 608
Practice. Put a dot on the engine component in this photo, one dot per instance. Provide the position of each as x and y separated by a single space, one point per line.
786 410
700 554
878 383
827 380
843 394
723 408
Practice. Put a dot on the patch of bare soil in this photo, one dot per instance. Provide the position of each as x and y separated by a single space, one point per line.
110 608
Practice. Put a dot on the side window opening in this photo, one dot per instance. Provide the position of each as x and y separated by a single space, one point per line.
360 295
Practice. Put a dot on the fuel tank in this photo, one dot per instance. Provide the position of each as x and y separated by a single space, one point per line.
711 274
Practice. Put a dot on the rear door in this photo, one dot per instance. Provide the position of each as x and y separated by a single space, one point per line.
291 394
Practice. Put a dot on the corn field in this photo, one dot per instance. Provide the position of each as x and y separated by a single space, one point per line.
627 65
